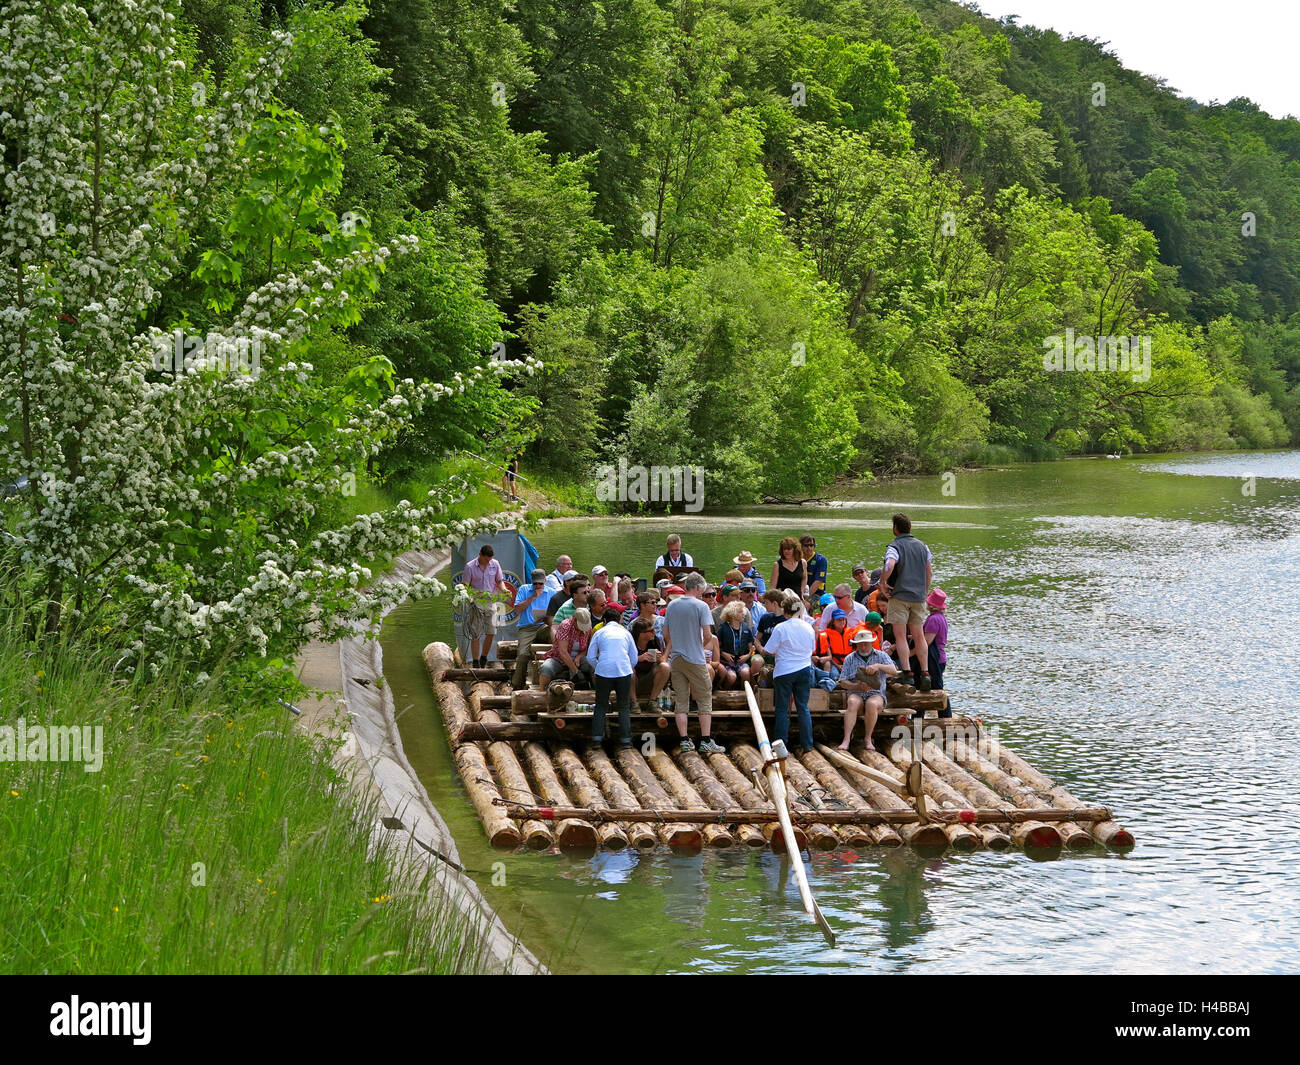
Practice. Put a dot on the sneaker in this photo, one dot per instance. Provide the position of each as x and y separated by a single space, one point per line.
709 746
904 678
686 745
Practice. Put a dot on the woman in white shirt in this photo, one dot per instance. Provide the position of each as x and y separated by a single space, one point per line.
612 654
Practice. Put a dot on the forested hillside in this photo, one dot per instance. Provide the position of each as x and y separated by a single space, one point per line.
780 241
846 226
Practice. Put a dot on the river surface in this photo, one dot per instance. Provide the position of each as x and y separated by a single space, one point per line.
1131 627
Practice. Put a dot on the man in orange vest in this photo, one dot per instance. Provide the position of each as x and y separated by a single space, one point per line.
834 643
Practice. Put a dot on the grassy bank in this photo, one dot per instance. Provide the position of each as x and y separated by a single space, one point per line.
211 840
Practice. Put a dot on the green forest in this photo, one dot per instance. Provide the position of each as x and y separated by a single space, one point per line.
782 242
845 226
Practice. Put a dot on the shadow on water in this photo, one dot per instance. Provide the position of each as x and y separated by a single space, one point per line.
1095 609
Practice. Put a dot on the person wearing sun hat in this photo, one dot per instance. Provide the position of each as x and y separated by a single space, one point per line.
567 658
745 563
936 639
863 677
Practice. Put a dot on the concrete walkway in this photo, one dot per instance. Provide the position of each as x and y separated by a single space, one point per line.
357 710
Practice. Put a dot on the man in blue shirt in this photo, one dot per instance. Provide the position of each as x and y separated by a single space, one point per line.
530 605
816 565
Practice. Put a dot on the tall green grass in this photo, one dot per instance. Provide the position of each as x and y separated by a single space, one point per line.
213 840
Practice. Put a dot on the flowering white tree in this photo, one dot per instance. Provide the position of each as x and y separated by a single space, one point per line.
179 508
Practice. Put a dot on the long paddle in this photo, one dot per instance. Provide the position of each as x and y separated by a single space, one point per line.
776 784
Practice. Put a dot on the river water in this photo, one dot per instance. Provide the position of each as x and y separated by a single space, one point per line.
1129 626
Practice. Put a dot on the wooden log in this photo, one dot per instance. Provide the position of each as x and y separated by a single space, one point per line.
676 834
471 764
575 727
571 833
915 831
744 791
715 794
1109 833
615 789
806 786
680 789
945 795
1072 836
820 836
804 816
826 775
610 836
1024 834
961 837
502 831
533 701
472 675
853 765
510 774
451 700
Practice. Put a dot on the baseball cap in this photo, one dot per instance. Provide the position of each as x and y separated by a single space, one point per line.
827 599
875 574
569 574
674 589
837 613
873 618
582 619
858 567
726 589
748 586
598 569
539 575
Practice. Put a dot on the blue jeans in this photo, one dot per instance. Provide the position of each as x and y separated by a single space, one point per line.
621 689
797 684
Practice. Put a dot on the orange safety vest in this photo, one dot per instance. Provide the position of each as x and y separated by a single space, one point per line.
836 644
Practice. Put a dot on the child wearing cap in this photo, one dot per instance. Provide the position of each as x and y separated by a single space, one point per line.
936 640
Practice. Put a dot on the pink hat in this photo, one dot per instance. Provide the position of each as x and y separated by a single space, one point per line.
937 599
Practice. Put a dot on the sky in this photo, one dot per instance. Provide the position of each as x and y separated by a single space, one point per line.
1205 49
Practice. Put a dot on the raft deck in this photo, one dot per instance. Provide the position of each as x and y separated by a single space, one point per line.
536 780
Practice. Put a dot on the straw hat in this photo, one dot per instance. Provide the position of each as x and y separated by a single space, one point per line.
862 636
744 559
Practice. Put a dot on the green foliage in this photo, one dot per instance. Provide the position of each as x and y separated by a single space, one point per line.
215 838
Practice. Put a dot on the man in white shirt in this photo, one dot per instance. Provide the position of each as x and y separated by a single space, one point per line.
612 654
855 612
792 643
555 579
674 558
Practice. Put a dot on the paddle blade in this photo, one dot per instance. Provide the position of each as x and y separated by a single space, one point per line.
823 925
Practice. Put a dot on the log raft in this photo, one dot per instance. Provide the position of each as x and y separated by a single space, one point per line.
536 780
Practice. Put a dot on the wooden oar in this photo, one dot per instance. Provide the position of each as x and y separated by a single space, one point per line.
913 789
780 799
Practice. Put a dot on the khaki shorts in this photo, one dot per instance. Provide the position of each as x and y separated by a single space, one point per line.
688 680
904 612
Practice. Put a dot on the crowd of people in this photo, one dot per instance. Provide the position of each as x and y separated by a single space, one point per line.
690 637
